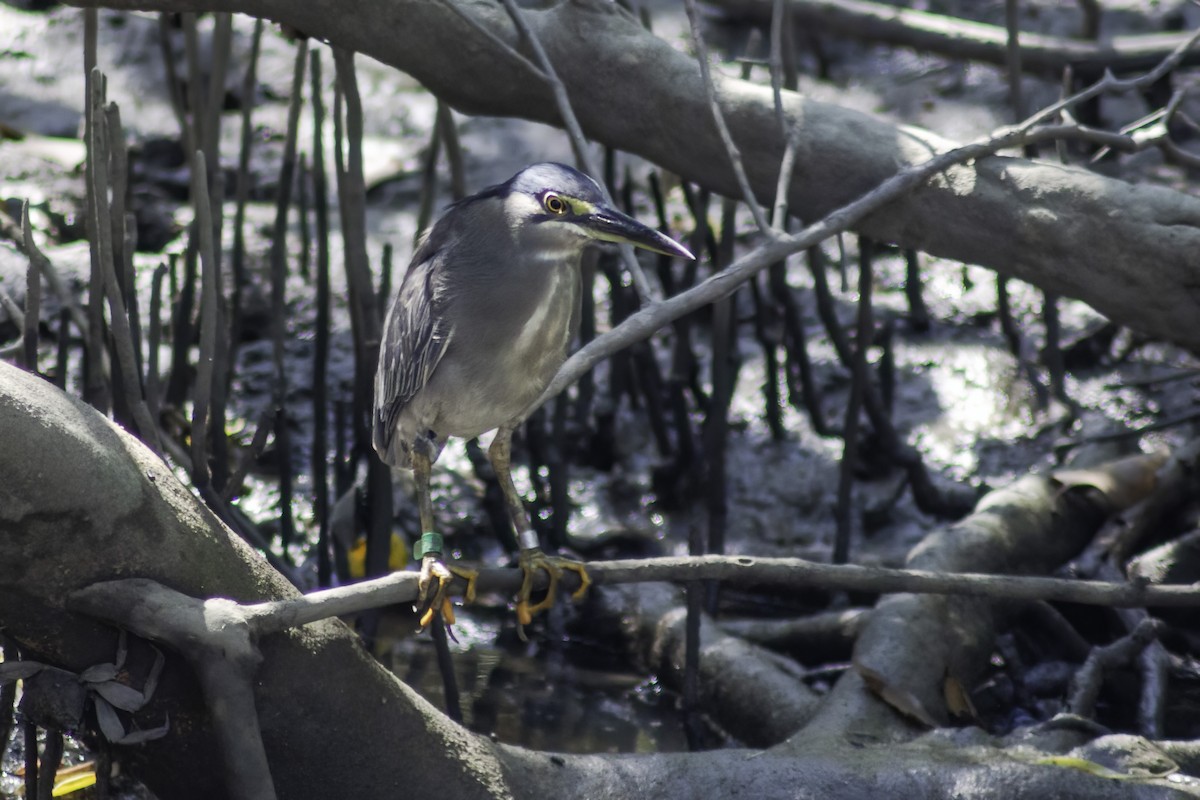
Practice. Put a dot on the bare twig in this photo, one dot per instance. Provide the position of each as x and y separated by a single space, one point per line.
320 390
1135 433
454 155
153 389
13 308
365 315
51 757
123 234
778 17
858 387
966 39
242 194
802 633
54 280
578 140
95 385
33 294
122 337
278 264
786 573
646 321
504 46
203 396
428 184
731 148
649 319
1102 659
266 423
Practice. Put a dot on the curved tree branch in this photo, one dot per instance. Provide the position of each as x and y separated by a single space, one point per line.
82 503
1126 250
967 39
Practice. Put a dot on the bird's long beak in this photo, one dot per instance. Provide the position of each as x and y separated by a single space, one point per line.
611 225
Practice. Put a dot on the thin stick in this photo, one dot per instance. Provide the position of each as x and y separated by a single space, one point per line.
646 321
33 294
122 338
731 148
278 261
52 753
762 573
202 398
446 668
266 423
578 141
496 41
95 385
366 319
918 313
174 84
454 155
428 184
320 389
153 389
303 181
31 760
775 61
65 296
118 175
240 278
1104 659
858 385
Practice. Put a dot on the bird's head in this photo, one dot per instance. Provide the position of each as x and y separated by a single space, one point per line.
553 200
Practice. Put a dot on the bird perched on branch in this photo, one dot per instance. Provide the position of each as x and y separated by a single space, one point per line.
478 328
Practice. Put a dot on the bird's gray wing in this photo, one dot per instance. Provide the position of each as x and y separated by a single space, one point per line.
415 336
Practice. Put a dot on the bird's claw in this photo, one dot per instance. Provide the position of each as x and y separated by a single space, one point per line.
431 598
530 562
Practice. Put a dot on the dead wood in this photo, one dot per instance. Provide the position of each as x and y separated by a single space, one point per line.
748 691
82 502
967 39
911 645
1124 249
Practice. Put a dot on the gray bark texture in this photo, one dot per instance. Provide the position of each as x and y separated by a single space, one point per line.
966 39
82 502
1126 250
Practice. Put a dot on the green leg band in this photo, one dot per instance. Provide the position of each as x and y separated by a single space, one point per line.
430 544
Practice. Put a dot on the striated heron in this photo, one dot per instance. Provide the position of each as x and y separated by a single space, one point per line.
479 326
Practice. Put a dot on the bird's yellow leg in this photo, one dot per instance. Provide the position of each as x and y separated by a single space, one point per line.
531 558
434 577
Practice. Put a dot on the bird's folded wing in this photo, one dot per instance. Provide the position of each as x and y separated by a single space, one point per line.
415 336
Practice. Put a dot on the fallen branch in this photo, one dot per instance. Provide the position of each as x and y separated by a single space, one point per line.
1104 659
765 573
1124 249
966 39
71 482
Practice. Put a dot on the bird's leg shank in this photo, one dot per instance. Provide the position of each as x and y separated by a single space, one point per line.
531 558
431 598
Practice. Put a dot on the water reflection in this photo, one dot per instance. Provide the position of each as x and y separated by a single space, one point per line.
573 697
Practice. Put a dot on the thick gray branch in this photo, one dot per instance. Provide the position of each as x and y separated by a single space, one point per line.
71 484
1126 250
967 39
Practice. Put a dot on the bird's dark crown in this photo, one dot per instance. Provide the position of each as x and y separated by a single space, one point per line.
536 179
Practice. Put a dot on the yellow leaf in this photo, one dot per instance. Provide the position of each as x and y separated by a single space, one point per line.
356 557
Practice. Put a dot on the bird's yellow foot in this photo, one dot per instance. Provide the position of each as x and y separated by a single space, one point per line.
533 559
434 582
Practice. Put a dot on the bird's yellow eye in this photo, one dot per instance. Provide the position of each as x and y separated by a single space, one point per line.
554 204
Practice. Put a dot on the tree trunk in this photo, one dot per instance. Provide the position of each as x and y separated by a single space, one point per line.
1126 250
82 501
